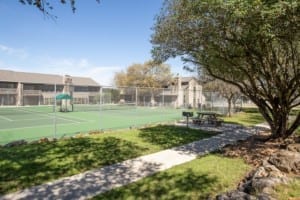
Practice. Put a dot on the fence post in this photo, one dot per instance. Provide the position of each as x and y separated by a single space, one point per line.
163 98
136 96
54 120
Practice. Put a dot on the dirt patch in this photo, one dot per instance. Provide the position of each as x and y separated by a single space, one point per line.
254 150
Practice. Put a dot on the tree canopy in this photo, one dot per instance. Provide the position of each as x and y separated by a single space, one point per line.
148 74
253 45
44 5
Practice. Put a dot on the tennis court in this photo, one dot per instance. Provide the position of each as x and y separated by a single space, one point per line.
35 122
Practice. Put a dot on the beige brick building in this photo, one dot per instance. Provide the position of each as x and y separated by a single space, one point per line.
187 92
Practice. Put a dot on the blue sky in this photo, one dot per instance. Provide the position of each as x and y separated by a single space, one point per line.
97 41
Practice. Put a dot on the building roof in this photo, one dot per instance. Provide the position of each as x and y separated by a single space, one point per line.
37 78
188 79
84 81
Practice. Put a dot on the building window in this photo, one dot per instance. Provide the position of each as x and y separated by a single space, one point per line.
184 83
93 89
8 85
81 89
32 87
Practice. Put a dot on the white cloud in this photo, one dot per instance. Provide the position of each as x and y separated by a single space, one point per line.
83 63
103 75
61 66
20 53
79 67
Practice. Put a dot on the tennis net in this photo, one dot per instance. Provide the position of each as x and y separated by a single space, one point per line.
99 107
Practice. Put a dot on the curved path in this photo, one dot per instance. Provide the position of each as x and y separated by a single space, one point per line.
91 183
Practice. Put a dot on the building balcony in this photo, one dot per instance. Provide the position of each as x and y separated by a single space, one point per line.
169 93
94 93
8 91
32 92
49 94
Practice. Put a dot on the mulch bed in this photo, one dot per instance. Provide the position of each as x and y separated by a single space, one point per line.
255 150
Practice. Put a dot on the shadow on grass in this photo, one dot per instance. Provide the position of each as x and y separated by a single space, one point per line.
164 185
29 165
255 118
250 110
168 136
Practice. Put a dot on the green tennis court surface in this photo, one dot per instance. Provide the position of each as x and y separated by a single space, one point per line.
35 122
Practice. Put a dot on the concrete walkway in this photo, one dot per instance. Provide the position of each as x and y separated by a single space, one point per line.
91 183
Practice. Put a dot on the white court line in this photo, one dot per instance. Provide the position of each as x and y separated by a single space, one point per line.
71 117
41 114
62 124
48 117
5 118
76 122
18 120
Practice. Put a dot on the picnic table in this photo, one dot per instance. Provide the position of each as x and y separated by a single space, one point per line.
207 117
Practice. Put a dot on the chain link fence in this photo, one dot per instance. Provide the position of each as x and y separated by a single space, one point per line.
33 113
172 98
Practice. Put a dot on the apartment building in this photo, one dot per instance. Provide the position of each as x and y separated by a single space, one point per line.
24 88
189 92
184 92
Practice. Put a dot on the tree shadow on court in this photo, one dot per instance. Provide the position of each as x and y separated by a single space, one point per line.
168 136
25 166
166 185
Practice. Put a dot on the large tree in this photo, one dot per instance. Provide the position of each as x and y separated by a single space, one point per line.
148 75
253 45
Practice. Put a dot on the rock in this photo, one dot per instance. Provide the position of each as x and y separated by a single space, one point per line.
288 141
43 140
222 197
265 185
273 171
34 142
260 173
95 132
267 170
263 196
245 186
294 147
286 161
235 195
16 143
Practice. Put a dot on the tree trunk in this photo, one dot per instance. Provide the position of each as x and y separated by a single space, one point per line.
277 116
229 107
280 125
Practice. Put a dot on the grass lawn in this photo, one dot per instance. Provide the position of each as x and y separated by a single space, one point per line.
33 164
251 116
248 117
289 191
199 179
294 114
